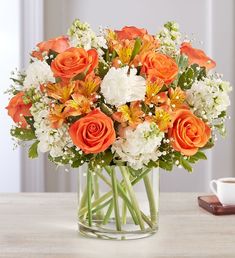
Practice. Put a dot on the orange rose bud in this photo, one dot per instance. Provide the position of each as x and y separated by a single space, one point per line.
130 33
188 133
73 61
17 109
197 56
93 133
59 44
159 65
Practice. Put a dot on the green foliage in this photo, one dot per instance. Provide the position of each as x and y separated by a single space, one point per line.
51 56
101 159
33 150
102 69
166 164
182 61
80 77
30 121
209 144
221 129
188 77
136 48
105 109
23 134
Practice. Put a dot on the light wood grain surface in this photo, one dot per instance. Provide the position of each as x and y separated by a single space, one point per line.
44 225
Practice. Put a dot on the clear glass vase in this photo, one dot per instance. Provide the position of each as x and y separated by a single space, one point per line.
117 202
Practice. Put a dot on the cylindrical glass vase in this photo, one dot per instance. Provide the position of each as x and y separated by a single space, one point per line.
117 202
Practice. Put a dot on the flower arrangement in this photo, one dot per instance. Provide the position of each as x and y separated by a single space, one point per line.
122 97
123 101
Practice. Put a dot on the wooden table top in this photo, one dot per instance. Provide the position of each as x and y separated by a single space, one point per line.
44 225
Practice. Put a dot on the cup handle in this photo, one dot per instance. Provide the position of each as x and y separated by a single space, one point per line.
212 186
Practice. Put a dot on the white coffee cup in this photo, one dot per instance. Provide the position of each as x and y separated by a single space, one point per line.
225 190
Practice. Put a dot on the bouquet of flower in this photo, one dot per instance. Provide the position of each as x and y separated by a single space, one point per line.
122 97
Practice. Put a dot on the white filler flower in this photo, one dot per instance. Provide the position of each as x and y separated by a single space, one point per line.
119 87
209 98
50 140
139 146
37 73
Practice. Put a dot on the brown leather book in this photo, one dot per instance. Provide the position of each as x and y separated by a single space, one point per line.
212 205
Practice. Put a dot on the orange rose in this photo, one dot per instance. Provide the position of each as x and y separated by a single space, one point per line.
59 44
73 61
17 109
93 133
197 56
159 65
130 33
188 133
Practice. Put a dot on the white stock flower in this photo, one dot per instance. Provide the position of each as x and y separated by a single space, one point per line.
169 38
139 146
209 98
50 140
119 87
81 35
37 73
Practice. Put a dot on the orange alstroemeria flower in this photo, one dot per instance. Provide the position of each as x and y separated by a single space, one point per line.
188 133
60 91
148 43
89 86
177 97
124 50
59 45
79 105
162 118
74 61
131 116
196 56
153 86
57 116
159 65
17 109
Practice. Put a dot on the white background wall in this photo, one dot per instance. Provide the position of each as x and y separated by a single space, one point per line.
211 21
10 58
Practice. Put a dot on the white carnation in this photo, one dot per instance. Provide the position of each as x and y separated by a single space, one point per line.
139 146
37 73
119 87
50 140
209 98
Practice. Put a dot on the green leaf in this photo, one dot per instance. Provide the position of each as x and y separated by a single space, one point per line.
51 56
23 134
200 155
221 129
80 77
102 69
107 157
105 109
186 79
30 121
182 62
186 165
209 144
33 150
165 165
136 48
199 72
77 163
153 164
